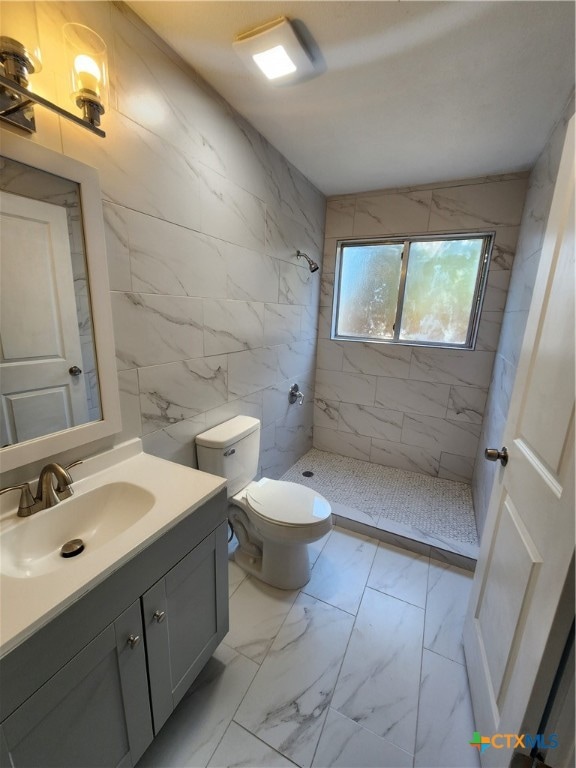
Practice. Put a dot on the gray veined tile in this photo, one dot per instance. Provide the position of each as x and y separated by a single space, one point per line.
346 387
282 324
193 264
295 284
257 612
232 326
326 414
378 685
235 576
410 396
117 248
408 457
342 443
452 366
251 370
240 749
448 594
340 217
400 573
467 404
177 391
329 355
445 718
497 203
150 330
434 434
376 359
288 701
392 212
198 723
370 421
176 442
340 573
345 744
251 275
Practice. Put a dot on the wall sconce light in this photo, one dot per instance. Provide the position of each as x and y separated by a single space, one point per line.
275 50
20 57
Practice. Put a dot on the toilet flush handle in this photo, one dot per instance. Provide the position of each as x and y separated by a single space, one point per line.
230 452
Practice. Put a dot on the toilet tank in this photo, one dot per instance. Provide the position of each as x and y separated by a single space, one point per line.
231 450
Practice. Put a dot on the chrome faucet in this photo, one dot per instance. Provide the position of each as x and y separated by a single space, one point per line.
46 494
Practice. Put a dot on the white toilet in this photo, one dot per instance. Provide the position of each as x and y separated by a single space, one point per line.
273 520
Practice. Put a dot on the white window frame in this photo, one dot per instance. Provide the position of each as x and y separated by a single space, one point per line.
479 291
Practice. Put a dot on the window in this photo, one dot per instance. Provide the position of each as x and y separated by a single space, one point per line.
424 290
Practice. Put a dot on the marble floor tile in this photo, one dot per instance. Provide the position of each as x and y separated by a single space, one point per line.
346 744
340 573
316 547
288 701
448 594
400 574
257 611
235 577
378 685
445 720
195 728
240 749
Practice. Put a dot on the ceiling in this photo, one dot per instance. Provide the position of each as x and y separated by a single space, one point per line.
408 92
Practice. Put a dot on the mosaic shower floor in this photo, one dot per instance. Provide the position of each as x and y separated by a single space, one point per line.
417 507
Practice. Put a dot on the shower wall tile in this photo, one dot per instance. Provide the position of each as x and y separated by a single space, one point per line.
403 456
346 387
340 217
498 203
203 218
467 404
413 396
457 468
399 213
251 275
370 421
154 329
177 391
377 359
433 434
192 265
344 443
440 393
252 370
326 414
230 326
282 324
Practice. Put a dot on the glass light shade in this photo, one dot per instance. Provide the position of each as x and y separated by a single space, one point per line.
87 63
19 34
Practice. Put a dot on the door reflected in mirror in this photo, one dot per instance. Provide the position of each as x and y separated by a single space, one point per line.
48 374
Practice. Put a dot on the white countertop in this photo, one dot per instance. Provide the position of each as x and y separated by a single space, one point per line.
26 604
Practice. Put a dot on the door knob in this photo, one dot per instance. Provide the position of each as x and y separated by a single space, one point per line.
74 371
493 454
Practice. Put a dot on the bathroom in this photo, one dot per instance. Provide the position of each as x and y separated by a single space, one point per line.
214 316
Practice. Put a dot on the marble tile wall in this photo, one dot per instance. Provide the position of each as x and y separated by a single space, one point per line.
213 315
538 201
414 408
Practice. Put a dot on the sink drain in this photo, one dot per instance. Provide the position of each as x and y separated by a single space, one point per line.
308 473
72 548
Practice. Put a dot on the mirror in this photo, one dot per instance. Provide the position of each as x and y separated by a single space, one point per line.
57 373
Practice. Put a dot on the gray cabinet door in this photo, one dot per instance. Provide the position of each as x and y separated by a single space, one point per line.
185 618
93 712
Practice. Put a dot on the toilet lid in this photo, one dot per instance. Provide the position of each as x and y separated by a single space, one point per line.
287 503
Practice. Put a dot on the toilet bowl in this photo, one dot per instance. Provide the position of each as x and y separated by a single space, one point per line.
274 521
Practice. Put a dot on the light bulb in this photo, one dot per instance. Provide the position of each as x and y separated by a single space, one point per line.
274 62
88 73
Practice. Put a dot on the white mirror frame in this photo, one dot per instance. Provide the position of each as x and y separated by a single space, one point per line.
36 156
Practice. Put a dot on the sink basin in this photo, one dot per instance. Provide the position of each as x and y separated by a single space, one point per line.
32 546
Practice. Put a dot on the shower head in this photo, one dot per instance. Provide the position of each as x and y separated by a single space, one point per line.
312 264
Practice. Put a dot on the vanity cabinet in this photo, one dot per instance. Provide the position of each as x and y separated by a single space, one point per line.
95 685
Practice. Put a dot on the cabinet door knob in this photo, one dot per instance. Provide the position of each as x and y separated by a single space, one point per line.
133 640
159 616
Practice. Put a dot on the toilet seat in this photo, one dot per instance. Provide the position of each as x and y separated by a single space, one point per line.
287 504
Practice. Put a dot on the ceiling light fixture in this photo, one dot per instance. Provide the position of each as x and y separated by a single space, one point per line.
275 50
20 57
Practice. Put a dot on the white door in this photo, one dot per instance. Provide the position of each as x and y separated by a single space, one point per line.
529 539
39 336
